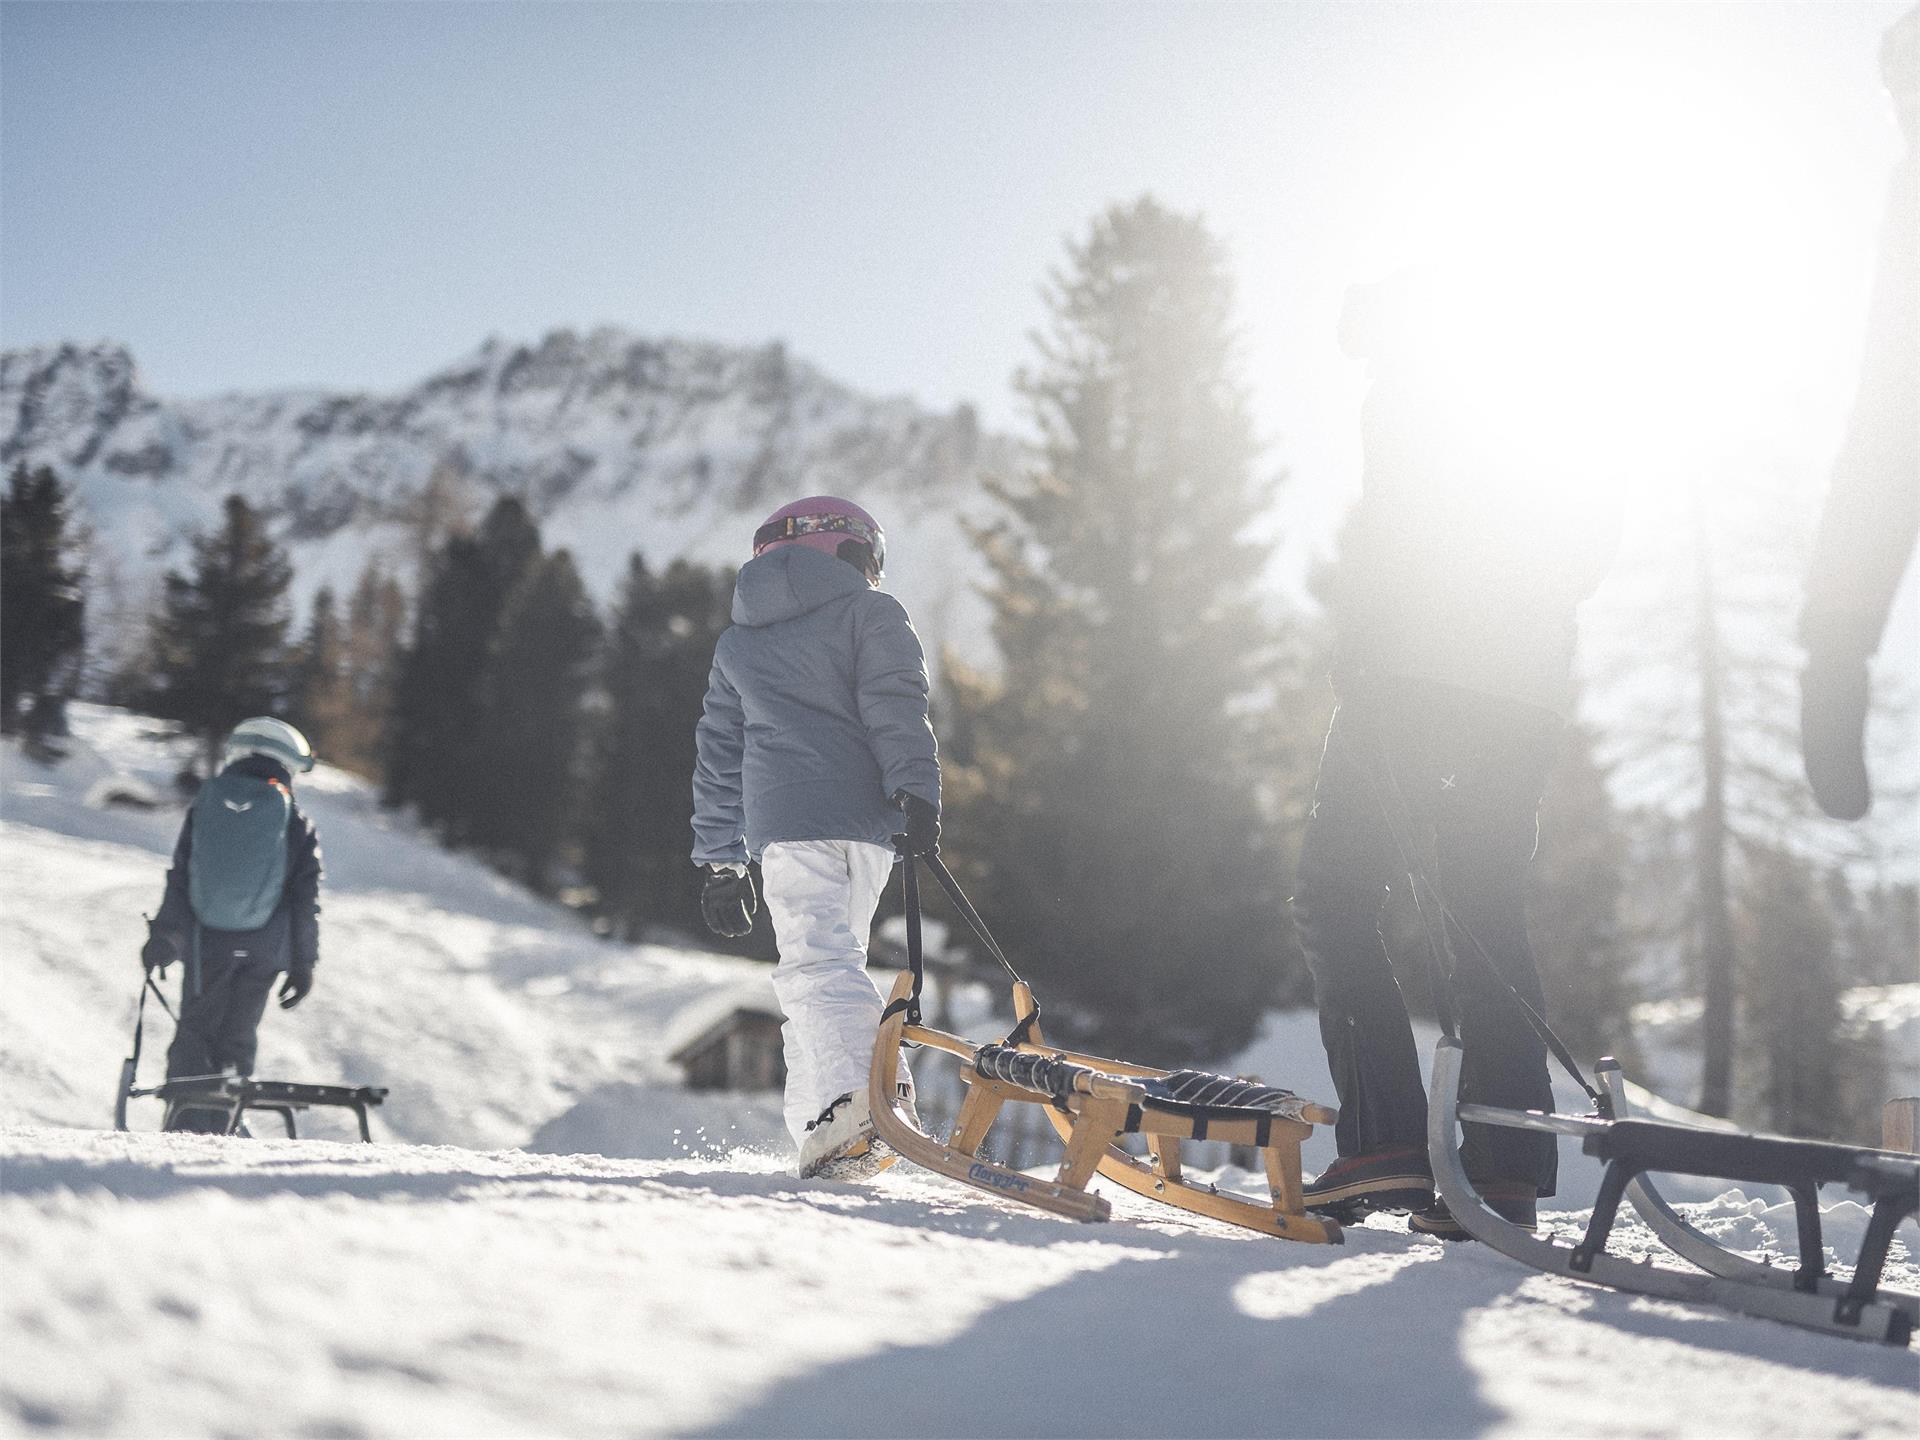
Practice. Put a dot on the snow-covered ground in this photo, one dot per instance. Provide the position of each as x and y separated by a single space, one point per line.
492 1015
443 1283
191 1286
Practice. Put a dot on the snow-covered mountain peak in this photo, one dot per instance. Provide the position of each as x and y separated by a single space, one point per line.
616 441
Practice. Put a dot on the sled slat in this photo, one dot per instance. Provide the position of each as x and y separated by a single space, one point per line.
1283 1175
977 1114
1165 1150
1900 1126
1093 1131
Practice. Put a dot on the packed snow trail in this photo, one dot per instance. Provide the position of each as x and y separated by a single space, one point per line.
190 1285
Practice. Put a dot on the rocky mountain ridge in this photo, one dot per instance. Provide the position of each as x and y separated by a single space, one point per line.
616 442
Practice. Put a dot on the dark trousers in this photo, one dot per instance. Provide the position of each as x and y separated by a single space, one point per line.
1419 774
221 1002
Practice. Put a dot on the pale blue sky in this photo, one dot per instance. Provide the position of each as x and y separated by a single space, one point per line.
353 195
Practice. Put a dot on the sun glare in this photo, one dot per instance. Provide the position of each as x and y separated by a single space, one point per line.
1621 248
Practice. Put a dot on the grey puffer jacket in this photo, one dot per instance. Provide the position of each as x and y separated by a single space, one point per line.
816 712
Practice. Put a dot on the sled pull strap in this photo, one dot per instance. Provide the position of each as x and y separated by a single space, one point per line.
139 1027
916 956
1443 994
158 996
1023 1031
140 1013
1439 941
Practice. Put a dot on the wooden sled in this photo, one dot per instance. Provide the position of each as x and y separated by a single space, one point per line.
1275 1133
1091 1102
1095 1108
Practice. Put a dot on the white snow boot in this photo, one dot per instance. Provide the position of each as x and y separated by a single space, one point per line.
841 1143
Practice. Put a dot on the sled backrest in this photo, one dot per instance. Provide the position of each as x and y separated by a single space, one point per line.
239 866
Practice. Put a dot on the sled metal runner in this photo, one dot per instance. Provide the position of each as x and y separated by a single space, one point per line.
236 1095
1698 1248
233 1094
1091 1101
1804 1296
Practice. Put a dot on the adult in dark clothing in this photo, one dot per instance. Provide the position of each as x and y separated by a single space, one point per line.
1872 514
242 911
1453 605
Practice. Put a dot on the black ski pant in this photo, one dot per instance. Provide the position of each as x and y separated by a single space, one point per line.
221 1003
1417 774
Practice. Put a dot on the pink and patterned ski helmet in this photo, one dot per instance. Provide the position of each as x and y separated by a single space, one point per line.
822 522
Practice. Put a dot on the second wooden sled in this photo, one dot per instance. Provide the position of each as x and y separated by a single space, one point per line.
1092 1102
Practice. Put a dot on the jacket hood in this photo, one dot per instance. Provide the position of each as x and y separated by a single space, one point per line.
790 582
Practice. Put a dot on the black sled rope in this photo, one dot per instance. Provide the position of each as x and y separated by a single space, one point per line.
916 957
1440 973
130 1067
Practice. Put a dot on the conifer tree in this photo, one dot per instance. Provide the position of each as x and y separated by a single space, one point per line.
42 604
220 637
1702 725
1575 910
437 720
639 812
525 789
321 702
1116 797
1791 992
375 636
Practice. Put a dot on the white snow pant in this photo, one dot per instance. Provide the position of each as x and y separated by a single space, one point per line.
821 896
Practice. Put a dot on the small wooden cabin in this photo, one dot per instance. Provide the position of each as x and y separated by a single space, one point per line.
739 1050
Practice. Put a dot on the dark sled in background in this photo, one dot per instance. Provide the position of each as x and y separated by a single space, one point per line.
1886 1181
230 1097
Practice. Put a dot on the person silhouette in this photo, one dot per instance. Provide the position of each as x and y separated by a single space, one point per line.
1475 538
1872 515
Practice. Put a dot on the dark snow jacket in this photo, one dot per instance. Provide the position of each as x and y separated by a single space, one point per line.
816 712
1466 557
290 940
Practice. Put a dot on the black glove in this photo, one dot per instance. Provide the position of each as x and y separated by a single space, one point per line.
727 903
922 835
1834 695
159 952
294 988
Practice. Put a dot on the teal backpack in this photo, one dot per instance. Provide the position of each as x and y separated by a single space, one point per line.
238 870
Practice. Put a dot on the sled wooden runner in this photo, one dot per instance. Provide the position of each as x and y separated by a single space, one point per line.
1091 1102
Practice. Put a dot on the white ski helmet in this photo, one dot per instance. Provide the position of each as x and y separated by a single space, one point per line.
275 739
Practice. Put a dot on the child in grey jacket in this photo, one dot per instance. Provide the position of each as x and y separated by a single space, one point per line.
814 751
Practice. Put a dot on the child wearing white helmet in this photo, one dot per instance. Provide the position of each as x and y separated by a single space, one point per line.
242 906
815 751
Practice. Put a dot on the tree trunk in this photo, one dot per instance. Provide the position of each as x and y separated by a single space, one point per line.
1716 921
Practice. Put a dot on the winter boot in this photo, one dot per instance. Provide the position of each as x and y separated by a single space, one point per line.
1515 1201
1355 1186
841 1143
